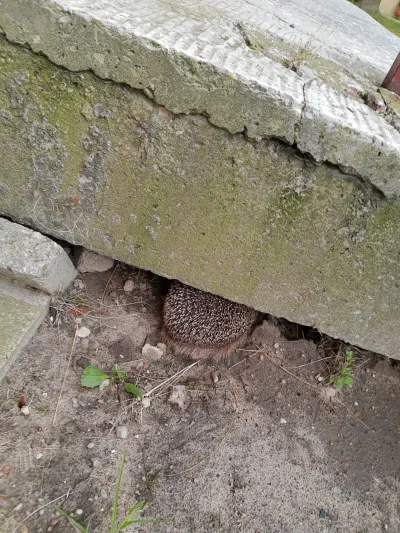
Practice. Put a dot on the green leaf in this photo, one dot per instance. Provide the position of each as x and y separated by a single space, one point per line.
130 387
349 381
333 379
117 373
92 377
74 523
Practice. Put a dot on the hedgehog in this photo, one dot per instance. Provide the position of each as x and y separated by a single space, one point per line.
200 325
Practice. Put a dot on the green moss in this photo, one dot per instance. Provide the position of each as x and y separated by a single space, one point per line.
109 169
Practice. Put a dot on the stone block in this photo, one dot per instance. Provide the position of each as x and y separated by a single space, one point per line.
33 259
173 163
22 310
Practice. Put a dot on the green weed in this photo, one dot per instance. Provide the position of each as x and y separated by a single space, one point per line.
344 377
95 377
133 515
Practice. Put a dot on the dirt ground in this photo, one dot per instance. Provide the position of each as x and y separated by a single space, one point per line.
257 451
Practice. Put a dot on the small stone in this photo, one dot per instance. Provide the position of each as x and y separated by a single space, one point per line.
25 410
104 384
24 529
153 353
261 357
79 512
41 512
84 344
121 432
38 455
129 285
6 469
82 332
18 507
79 284
162 347
283 421
215 377
178 396
91 262
146 402
103 493
90 445
96 462
75 402
276 345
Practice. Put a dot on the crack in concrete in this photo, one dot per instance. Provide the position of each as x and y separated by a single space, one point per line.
148 92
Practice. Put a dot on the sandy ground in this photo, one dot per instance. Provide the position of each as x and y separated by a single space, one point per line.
256 451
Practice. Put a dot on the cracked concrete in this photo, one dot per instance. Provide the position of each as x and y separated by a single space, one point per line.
197 61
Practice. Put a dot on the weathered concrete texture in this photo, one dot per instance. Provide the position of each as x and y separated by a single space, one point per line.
266 68
100 165
33 259
21 313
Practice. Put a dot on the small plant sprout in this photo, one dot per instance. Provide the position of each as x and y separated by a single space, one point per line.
94 377
344 377
132 516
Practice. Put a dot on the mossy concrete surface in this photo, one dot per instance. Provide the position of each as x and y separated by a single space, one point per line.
268 69
100 165
21 313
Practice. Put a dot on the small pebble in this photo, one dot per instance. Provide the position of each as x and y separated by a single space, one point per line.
96 462
24 529
162 347
6 469
283 421
152 352
276 345
75 402
84 344
18 507
129 285
90 445
82 332
146 402
79 512
25 410
355 403
215 377
41 512
103 493
38 455
261 357
79 284
122 432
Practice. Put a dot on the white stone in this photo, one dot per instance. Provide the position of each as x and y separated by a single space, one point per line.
129 285
152 352
146 402
82 332
121 432
25 410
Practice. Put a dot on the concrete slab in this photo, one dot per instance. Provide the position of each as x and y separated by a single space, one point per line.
33 259
22 310
263 67
172 164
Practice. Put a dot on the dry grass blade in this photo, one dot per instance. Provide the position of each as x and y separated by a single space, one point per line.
40 508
